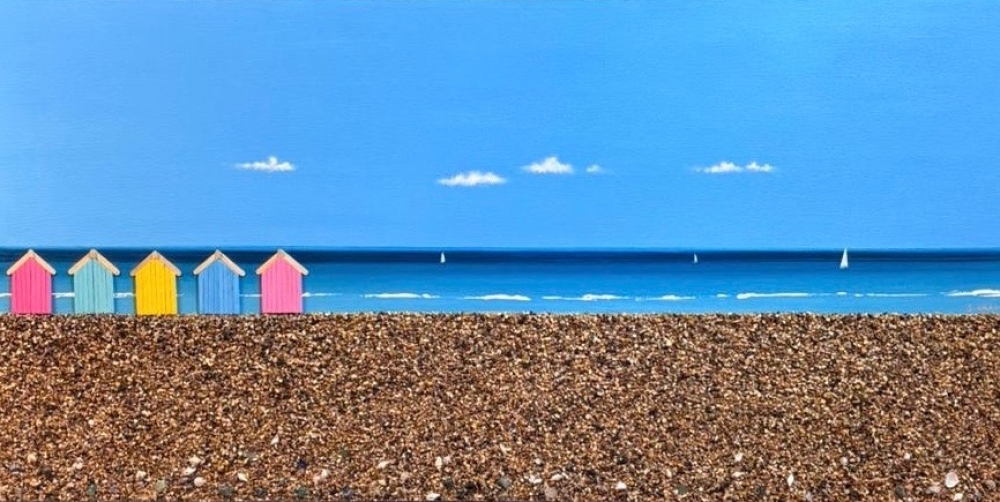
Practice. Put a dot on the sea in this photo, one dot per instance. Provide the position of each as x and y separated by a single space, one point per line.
584 281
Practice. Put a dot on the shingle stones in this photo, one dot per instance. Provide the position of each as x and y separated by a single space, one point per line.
484 407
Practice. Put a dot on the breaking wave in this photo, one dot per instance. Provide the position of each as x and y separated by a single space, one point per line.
891 295
64 295
978 293
401 296
669 298
587 298
500 297
317 295
124 295
748 296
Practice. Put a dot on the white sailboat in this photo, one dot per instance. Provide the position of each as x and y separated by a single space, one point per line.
442 258
843 260
695 260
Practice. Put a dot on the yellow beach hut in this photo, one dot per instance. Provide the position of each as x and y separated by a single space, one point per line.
155 286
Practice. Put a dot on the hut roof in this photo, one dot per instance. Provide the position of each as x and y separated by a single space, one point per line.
219 256
282 255
156 256
31 255
95 256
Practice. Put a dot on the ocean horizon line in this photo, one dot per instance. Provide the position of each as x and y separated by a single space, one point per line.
557 249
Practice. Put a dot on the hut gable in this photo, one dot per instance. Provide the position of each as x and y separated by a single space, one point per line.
31 256
154 259
155 286
31 285
281 285
219 256
98 258
218 285
93 284
281 255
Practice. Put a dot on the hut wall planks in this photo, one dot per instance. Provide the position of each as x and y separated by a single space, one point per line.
93 290
218 290
31 289
155 289
281 289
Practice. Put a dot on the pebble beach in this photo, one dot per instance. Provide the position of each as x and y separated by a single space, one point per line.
428 407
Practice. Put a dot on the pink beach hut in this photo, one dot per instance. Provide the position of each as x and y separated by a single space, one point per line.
281 285
31 285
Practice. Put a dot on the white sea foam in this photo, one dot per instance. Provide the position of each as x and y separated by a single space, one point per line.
250 295
894 295
500 297
64 295
4 295
318 295
589 297
722 295
668 298
841 293
401 296
124 295
748 296
978 293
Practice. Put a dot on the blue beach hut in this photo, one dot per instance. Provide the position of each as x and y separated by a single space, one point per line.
218 285
93 284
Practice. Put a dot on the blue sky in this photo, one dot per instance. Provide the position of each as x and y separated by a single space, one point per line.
714 124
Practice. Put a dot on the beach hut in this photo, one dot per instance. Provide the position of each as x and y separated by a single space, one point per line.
93 284
155 286
218 285
281 285
31 285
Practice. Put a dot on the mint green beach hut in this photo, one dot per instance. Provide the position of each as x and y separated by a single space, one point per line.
93 284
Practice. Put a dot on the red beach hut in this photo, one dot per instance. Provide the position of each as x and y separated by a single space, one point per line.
281 285
31 285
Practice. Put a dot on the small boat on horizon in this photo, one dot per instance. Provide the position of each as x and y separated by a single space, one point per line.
843 260
442 258
695 260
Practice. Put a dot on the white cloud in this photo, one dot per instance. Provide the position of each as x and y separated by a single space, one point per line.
271 165
754 167
726 167
471 179
595 169
550 165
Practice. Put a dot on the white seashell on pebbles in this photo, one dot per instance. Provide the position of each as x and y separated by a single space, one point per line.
321 476
790 480
621 486
199 481
242 476
140 475
194 461
432 496
951 480
188 471
383 464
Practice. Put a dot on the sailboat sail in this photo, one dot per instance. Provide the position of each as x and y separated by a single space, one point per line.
442 257
695 260
843 260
